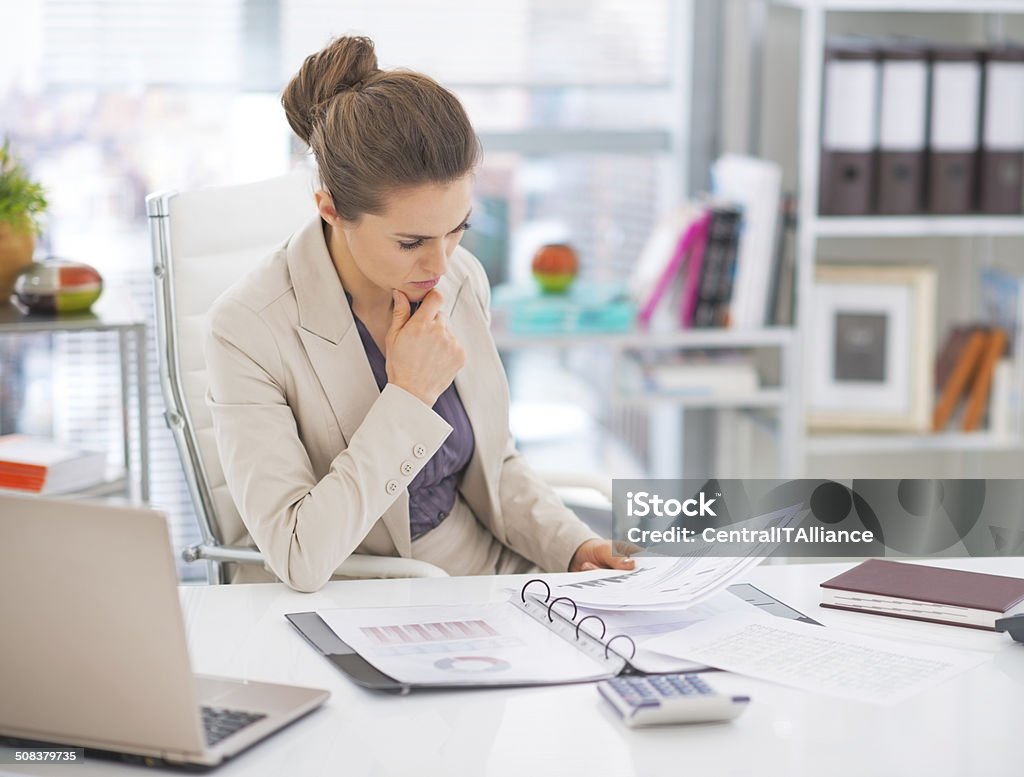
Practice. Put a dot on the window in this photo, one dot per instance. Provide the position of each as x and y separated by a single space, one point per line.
578 102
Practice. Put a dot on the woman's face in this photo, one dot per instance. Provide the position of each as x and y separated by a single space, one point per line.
407 246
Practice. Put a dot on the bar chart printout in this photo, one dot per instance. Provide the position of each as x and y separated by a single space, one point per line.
461 644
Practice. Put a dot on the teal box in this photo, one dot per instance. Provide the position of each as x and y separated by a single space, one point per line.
588 308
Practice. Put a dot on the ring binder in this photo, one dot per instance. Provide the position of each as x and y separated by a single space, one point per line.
569 599
320 634
522 591
598 618
628 668
620 636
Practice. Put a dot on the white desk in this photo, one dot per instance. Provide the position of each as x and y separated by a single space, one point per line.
970 726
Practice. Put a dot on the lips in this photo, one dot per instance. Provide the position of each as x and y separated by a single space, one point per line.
425 284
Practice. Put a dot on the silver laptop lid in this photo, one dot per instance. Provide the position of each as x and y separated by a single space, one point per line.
91 634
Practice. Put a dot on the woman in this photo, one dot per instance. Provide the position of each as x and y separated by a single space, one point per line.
358 399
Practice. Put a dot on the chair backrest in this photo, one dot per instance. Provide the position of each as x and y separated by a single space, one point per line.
202 242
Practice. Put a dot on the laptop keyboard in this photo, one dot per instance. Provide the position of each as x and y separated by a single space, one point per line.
219 723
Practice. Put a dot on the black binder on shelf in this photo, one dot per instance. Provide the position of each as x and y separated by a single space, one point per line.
849 128
1001 159
613 651
953 128
903 127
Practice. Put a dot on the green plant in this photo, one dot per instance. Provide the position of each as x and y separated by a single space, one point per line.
22 200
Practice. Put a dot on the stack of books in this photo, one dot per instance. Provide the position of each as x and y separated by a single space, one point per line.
964 374
42 466
925 593
696 375
719 261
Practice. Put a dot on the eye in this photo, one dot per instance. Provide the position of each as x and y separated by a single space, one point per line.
410 246
465 225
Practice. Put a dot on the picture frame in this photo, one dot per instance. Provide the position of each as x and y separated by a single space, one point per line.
872 348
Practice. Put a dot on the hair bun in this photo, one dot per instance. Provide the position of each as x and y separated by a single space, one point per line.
343 65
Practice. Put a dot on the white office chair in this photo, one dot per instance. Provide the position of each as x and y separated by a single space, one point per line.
202 242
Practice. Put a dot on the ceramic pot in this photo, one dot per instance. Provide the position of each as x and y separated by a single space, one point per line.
58 286
16 249
555 266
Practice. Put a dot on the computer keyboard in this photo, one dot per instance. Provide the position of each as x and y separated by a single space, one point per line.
219 723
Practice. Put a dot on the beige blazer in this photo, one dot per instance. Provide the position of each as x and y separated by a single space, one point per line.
317 459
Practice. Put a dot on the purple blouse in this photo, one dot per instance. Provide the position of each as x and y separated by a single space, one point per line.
432 492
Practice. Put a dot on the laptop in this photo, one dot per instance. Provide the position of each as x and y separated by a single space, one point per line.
92 643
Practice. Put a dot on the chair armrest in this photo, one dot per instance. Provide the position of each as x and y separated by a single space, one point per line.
222 553
358 565
364 566
601 485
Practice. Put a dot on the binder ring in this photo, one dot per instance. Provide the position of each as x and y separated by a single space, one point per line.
522 591
620 636
560 598
604 627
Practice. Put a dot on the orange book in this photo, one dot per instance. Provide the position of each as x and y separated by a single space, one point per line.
966 366
977 400
47 467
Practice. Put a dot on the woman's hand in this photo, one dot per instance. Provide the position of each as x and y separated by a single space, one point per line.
601 554
421 355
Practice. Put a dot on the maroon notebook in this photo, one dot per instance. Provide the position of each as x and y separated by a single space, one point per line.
956 588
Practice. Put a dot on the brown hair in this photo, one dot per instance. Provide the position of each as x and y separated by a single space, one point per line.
374 131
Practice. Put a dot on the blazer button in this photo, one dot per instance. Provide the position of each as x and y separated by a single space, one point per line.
419 451
407 468
391 486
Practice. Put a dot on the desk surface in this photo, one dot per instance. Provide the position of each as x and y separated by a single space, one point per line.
970 725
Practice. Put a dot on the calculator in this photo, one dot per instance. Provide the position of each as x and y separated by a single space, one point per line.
647 700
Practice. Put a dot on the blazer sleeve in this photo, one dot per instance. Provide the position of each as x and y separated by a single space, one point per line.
537 524
305 528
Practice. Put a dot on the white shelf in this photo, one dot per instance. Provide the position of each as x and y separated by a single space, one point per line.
765 398
907 6
690 338
845 444
114 485
916 226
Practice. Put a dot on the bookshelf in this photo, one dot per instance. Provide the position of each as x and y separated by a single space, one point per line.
904 6
780 399
853 444
813 23
917 226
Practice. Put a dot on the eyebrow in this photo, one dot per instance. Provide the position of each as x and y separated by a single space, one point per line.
429 237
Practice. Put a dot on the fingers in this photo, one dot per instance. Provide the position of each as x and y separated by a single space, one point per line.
400 313
430 306
624 548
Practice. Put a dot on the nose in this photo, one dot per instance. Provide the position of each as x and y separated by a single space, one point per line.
436 262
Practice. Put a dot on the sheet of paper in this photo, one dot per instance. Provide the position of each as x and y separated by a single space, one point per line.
486 644
676 582
814 658
644 625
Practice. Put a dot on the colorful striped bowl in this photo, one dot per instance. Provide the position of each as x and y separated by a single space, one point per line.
58 286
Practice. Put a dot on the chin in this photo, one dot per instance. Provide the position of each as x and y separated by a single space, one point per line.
415 295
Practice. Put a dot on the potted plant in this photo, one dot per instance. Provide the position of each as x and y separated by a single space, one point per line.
22 201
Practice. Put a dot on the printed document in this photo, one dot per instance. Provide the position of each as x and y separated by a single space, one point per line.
814 658
485 644
642 626
660 582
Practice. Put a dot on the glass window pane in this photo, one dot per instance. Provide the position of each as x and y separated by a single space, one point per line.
508 109
514 41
